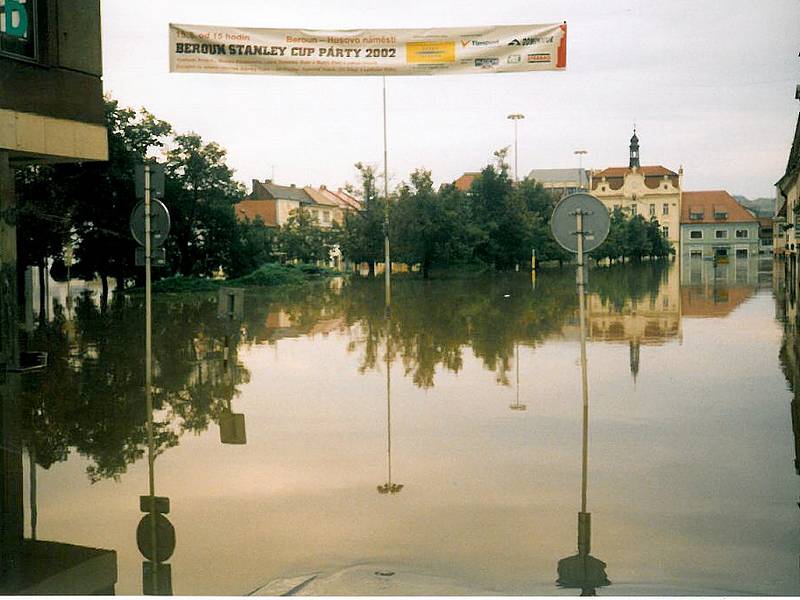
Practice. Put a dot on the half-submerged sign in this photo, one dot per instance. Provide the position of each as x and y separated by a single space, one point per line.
446 51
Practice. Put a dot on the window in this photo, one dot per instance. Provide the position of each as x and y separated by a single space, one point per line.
326 216
721 234
696 213
18 28
665 209
652 210
696 235
741 253
603 189
766 242
742 233
634 212
720 213
665 231
696 253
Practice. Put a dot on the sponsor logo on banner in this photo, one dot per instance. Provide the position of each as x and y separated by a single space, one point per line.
487 63
480 43
541 57
514 59
430 52
530 41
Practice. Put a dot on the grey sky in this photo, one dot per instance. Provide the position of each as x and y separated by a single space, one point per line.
710 85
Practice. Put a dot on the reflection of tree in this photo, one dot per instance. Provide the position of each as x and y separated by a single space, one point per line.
91 396
432 322
631 283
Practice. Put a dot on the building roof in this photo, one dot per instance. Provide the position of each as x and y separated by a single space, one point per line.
647 171
710 202
576 176
464 182
318 196
271 191
348 199
793 164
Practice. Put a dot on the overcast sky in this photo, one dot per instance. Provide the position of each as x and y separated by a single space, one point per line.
710 85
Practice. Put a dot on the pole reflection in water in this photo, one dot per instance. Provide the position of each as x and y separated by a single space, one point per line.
389 487
155 535
517 405
582 570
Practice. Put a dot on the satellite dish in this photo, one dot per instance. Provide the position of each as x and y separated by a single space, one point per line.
564 224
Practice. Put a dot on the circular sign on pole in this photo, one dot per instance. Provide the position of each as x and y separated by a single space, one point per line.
159 222
596 222
165 538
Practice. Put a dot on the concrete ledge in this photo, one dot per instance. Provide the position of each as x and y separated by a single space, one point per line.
45 139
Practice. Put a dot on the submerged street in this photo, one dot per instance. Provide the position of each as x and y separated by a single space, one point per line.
439 443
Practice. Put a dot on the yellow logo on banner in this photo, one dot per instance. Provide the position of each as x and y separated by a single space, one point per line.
430 52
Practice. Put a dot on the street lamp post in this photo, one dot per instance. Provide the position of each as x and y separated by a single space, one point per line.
580 154
516 117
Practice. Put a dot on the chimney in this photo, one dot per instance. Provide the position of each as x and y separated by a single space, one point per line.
268 181
292 185
322 187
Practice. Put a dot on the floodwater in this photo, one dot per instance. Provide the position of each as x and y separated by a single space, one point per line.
435 448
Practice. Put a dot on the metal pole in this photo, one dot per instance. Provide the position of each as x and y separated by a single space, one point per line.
148 369
584 378
516 154
387 255
33 502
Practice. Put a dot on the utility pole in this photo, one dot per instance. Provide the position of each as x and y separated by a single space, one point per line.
516 117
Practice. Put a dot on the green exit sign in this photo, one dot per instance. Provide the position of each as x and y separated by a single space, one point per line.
14 18
18 28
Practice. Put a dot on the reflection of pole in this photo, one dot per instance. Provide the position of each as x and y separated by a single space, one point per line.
148 365
389 404
584 378
387 257
34 510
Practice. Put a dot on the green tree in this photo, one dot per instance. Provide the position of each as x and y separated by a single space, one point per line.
103 195
301 238
200 195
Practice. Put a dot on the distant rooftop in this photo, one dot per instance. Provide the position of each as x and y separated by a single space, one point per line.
267 190
573 177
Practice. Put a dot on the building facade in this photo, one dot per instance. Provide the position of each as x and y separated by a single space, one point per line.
51 110
561 182
714 225
788 199
274 204
651 191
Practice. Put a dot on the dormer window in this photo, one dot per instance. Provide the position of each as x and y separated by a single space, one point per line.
696 213
720 213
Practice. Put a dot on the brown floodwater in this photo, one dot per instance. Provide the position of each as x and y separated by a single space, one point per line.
434 448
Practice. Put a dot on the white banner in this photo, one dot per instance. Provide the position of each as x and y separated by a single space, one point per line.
446 51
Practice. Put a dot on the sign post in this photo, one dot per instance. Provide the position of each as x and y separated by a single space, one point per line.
150 228
591 223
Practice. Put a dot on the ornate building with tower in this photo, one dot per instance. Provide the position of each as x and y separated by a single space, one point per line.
649 191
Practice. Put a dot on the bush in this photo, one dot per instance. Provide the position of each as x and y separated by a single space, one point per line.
273 274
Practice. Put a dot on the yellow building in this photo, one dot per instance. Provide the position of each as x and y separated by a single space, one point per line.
648 191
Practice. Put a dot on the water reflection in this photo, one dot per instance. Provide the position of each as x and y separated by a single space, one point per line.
207 348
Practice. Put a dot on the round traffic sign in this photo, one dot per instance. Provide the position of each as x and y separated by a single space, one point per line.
564 224
159 222
165 538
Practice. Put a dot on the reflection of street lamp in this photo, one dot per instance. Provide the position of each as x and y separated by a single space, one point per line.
516 117
389 487
517 405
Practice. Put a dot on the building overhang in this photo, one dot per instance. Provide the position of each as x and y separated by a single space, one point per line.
33 138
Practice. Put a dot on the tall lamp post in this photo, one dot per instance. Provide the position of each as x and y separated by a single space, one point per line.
516 117
580 154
